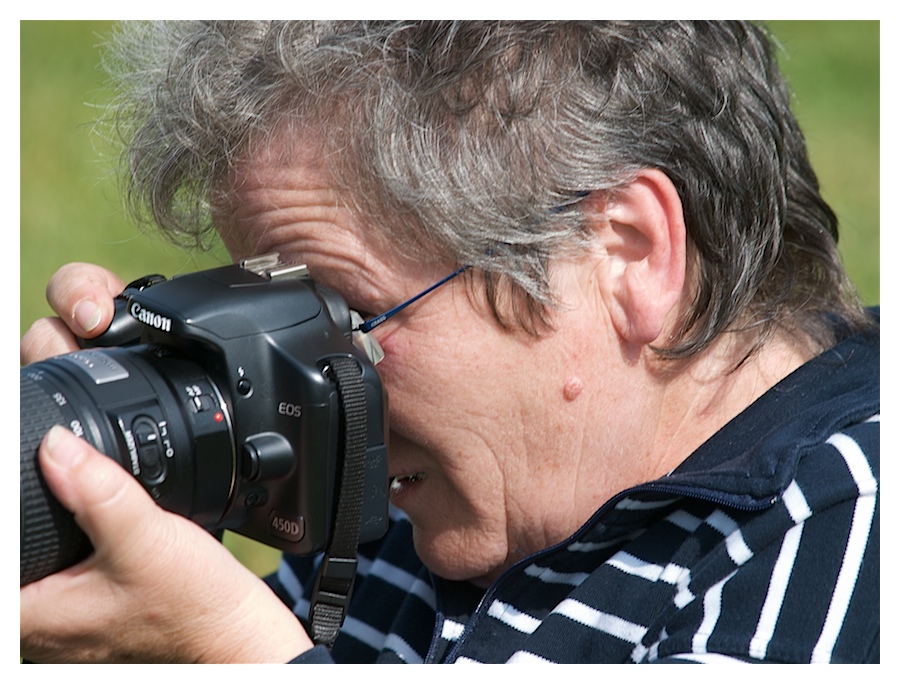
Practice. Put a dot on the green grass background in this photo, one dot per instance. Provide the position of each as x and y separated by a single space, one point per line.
71 211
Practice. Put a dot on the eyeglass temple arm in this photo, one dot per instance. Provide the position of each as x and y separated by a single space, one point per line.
374 322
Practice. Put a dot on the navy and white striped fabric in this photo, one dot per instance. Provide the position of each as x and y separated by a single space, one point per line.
763 545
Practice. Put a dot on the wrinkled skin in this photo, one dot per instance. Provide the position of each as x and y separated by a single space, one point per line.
512 440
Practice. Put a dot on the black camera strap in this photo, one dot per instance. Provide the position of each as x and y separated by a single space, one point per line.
334 583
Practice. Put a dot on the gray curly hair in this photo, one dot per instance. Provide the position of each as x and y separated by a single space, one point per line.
474 141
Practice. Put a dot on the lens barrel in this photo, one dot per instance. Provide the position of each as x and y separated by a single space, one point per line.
158 415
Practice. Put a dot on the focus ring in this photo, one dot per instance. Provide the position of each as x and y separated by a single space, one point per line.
49 537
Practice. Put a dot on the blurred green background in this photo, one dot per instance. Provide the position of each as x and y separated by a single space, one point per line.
71 211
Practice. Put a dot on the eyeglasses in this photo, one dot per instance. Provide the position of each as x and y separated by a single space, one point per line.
361 328
375 321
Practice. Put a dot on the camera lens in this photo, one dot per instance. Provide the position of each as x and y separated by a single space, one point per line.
158 415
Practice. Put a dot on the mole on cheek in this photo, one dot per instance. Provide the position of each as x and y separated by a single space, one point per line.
572 388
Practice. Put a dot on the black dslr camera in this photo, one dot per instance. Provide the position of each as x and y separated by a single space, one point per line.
235 396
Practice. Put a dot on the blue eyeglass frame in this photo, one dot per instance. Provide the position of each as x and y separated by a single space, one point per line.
375 321
372 323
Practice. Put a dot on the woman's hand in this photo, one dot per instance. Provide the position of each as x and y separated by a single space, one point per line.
82 295
157 588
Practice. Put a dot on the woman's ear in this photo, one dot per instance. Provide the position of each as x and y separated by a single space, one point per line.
641 233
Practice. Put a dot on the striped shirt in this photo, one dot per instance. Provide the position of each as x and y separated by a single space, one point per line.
763 545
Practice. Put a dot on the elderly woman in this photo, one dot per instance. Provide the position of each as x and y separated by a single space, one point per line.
641 425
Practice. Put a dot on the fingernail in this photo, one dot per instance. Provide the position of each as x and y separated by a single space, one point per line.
62 447
87 314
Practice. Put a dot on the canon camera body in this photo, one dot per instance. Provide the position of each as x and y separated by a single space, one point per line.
232 395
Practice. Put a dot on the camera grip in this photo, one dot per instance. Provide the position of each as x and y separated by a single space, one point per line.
50 540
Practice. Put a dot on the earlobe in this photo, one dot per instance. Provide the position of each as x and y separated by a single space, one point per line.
642 237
